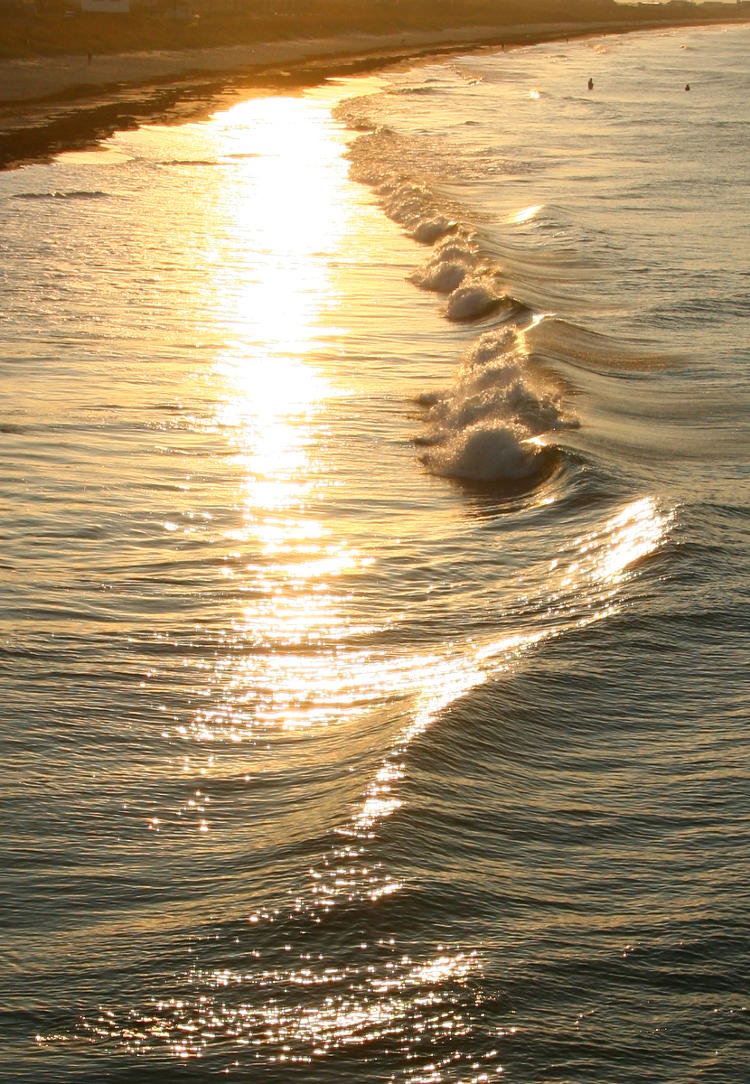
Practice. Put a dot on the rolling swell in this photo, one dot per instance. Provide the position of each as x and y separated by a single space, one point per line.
270 978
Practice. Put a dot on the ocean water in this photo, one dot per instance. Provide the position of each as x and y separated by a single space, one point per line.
375 575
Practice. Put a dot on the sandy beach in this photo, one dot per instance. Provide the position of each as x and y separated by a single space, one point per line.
52 103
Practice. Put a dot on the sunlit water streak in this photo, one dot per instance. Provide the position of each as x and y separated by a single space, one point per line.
392 622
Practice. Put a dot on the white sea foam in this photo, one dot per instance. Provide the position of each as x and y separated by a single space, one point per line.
387 163
443 278
453 258
414 207
472 300
490 425
485 453
431 228
486 427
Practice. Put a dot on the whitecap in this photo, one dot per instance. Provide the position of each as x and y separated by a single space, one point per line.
485 453
442 278
472 300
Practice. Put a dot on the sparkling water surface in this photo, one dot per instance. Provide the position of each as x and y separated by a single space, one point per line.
375 565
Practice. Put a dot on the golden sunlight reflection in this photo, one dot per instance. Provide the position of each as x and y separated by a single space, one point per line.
525 214
605 555
581 592
633 534
303 684
271 290
300 1013
305 667
285 1004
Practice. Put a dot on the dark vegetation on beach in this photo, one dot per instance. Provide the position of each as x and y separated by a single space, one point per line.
56 27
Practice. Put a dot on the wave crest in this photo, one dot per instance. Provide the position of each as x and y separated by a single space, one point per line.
488 453
490 425
487 426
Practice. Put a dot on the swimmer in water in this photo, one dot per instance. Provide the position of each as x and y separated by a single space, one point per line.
591 84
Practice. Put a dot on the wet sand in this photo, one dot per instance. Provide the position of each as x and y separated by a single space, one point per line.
51 104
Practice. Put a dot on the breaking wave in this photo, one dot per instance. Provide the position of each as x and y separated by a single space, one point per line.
494 424
491 424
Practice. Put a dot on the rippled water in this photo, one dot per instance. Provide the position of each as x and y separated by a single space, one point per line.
375 571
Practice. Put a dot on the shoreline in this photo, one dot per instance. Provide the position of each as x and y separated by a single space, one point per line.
52 104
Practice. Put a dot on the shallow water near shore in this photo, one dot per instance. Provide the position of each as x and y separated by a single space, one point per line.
375 632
